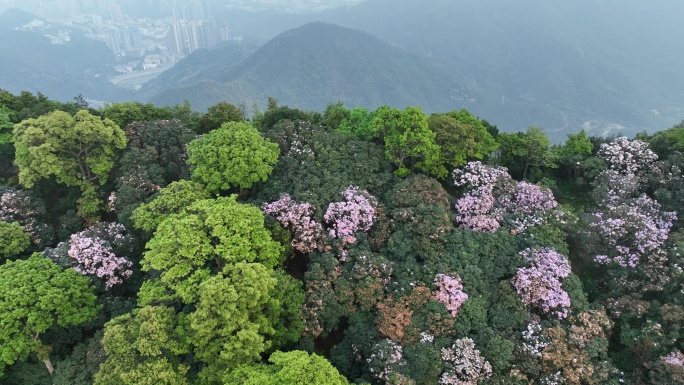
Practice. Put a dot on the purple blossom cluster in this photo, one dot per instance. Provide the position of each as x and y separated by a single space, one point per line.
477 175
627 156
92 253
528 202
354 214
344 219
298 218
540 284
630 228
674 358
450 292
464 364
492 196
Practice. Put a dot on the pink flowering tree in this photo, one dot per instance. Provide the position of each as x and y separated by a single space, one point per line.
493 199
631 230
529 206
343 219
626 226
540 284
628 157
307 234
92 252
674 358
450 292
354 214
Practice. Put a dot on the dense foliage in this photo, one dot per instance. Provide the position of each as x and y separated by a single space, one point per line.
377 247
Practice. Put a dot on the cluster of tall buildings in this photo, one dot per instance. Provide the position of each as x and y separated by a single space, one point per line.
134 28
188 35
189 25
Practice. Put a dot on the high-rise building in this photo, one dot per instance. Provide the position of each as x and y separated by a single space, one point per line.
115 13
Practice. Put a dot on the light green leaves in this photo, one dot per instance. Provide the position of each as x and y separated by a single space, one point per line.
34 295
142 349
234 155
210 234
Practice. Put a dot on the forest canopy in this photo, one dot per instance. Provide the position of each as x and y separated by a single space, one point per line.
147 245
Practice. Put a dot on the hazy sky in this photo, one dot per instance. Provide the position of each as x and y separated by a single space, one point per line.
62 7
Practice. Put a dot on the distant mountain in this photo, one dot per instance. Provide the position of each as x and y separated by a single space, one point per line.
38 56
609 66
204 64
321 63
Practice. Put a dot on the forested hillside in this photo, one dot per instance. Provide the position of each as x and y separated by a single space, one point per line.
146 245
312 66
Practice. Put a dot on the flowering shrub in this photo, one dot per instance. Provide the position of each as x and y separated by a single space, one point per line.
465 365
493 197
352 215
528 203
540 284
450 292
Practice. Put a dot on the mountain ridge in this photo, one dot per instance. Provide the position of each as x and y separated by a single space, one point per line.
320 63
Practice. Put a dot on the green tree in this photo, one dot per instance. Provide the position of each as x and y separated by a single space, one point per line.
128 112
5 126
460 137
144 348
220 113
78 151
204 239
358 123
287 316
576 149
523 150
665 142
36 294
13 239
275 113
172 199
335 114
291 368
233 155
409 143
229 326
6 147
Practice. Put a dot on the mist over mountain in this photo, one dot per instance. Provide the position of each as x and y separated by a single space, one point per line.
39 56
609 66
606 66
204 64
317 64
562 66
